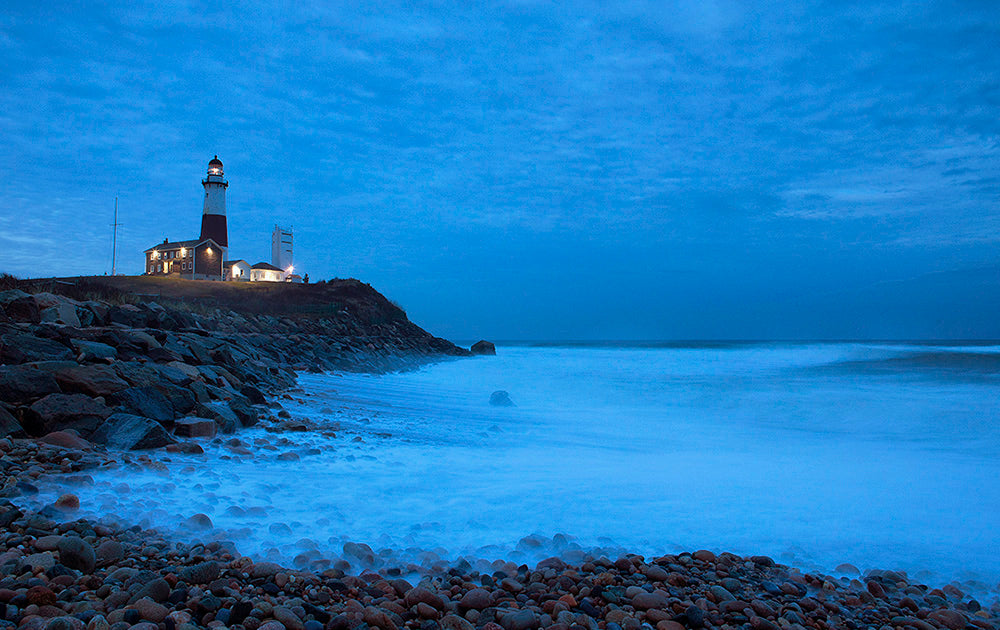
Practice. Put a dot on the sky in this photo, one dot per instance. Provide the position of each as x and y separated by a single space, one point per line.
532 170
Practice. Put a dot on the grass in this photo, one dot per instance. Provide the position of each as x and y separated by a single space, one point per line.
306 301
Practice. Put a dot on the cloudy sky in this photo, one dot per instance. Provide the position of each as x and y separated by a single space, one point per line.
532 170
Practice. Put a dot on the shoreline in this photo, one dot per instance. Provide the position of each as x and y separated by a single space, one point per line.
686 579
62 573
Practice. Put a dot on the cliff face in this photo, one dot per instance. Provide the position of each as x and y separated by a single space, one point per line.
122 360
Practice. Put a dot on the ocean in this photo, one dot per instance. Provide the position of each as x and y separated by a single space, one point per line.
879 455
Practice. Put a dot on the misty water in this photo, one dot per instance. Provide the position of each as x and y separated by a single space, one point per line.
879 455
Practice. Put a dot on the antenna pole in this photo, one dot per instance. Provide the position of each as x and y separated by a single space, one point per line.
114 241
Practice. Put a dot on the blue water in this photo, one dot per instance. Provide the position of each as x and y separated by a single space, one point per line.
878 455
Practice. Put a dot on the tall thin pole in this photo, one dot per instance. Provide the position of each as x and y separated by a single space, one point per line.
114 241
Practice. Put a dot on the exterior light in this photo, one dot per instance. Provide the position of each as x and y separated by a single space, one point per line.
209 251
290 269
183 252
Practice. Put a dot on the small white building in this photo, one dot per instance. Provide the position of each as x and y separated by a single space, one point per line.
264 272
237 270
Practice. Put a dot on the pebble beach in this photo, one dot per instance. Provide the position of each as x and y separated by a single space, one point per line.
58 572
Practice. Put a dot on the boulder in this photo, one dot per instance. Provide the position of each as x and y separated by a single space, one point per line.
11 295
146 401
21 384
20 347
137 373
65 411
91 351
93 380
66 439
173 374
195 427
127 315
9 426
61 313
219 411
245 411
77 553
98 309
189 371
475 599
501 398
57 309
129 432
253 394
19 306
86 316
483 347
181 399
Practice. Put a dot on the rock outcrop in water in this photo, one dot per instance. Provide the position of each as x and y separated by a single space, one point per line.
483 347
119 367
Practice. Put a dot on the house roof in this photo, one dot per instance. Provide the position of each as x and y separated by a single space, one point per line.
179 244
267 266
233 262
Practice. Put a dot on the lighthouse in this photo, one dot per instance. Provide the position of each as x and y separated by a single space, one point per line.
213 216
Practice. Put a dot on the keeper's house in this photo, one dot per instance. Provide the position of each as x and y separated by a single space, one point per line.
194 260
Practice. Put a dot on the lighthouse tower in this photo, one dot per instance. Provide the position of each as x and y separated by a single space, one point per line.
213 217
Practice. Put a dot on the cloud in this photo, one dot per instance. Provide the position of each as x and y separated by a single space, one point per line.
768 129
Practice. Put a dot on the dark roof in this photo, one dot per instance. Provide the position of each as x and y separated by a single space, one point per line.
267 266
179 244
215 160
233 262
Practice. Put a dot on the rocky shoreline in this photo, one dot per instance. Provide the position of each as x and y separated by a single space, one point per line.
86 384
136 374
57 573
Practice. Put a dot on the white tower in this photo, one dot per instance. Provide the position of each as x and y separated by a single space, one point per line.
213 216
281 249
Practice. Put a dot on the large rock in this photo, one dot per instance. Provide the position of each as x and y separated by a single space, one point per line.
77 553
245 411
220 412
137 373
90 351
181 399
128 432
476 599
254 395
65 411
127 315
195 427
483 347
57 309
62 313
9 426
19 306
21 384
501 398
93 380
146 401
11 295
174 375
20 347
66 439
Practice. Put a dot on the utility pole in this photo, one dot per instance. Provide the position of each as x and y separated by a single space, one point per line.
114 241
